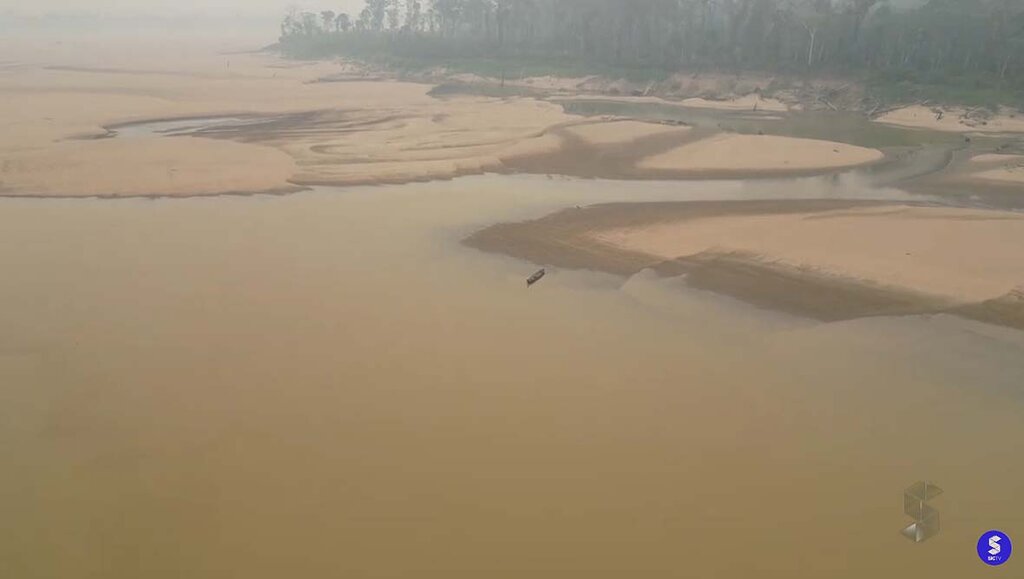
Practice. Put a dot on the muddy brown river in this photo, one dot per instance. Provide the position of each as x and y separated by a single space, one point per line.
328 384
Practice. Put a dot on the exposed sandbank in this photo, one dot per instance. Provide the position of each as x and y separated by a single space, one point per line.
954 119
997 158
151 166
315 132
827 259
961 254
751 102
312 132
998 169
621 132
761 153
1011 176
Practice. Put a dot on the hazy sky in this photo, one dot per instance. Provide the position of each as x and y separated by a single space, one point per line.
249 9
254 8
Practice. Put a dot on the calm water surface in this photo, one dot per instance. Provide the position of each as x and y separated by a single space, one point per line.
329 385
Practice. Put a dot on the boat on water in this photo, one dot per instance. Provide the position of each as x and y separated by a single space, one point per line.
535 277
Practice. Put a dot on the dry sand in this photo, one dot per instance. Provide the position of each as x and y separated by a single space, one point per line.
953 119
333 132
744 103
621 132
761 153
151 166
997 158
997 169
961 254
1008 175
322 123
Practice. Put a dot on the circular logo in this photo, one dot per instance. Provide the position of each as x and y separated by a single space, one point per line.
994 548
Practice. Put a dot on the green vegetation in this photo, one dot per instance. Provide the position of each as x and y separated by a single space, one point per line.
967 51
389 56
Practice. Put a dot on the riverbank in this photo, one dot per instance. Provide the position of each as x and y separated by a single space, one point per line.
956 119
78 129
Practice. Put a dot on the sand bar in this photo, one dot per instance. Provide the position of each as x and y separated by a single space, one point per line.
963 254
621 132
761 153
997 158
181 166
995 169
751 102
1006 175
316 132
953 119
827 259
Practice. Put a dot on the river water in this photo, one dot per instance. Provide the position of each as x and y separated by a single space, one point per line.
328 384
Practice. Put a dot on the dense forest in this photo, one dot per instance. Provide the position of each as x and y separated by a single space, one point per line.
979 43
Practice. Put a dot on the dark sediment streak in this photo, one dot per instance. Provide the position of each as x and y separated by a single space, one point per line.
801 291
1004 311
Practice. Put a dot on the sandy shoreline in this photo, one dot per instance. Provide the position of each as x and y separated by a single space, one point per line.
357 132
954 119
751 102
830 260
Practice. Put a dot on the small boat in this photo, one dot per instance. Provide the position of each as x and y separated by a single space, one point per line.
535 277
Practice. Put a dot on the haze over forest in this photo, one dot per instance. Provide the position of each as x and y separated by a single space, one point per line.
256 17
969 44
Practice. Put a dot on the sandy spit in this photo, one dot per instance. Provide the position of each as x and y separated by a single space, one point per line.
961 254
825 259
995 169
761 153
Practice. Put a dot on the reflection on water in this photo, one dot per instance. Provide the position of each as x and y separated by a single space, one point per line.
329 385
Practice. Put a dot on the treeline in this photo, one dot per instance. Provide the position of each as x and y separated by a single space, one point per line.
947 41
